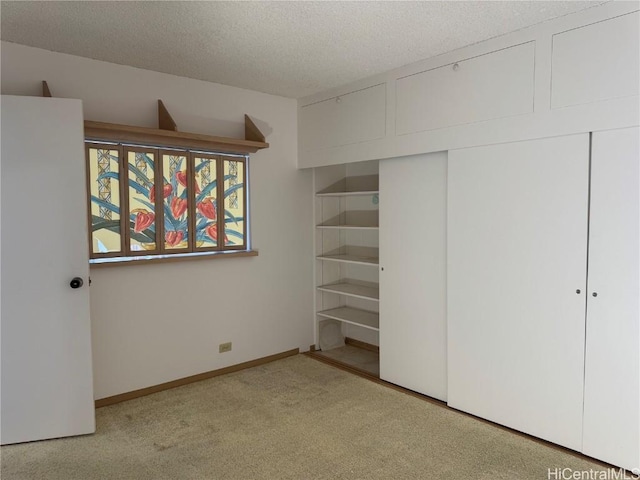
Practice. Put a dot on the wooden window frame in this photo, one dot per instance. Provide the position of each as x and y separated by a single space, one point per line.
192 198
124 200
222 218
160 198
121 186
161 252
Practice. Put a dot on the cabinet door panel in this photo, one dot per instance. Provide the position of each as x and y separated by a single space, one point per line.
612 370
413 329
517 229
351 118
596 62
495 85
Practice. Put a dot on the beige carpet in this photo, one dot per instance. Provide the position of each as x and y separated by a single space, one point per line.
292 419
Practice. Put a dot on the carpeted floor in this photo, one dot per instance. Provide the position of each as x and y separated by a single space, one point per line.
291 419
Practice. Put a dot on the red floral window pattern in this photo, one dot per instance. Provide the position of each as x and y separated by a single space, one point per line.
142 231
177 201
175 189
206 198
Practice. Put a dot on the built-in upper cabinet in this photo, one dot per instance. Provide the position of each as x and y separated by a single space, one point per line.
495 85
596 62
575 73
351 118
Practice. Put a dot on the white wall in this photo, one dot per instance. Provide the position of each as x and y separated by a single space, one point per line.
156 323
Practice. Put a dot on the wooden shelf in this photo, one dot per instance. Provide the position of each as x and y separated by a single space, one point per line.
167 134
361 193
350 288
348 258
169 138
354 316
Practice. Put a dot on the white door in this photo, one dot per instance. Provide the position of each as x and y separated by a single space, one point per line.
47 383
612 370
413 276
517 229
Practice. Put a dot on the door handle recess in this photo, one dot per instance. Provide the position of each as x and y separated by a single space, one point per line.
76 282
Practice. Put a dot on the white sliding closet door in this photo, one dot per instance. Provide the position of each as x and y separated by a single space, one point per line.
517 225
413 296
612 373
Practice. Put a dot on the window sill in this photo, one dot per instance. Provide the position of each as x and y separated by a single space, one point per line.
172 257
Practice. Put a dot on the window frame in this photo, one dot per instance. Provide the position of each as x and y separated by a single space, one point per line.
123 223
221 191
162 151
191 250
192 198
125 200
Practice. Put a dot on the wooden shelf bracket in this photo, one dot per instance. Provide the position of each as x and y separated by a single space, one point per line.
251 131
165 120
45 89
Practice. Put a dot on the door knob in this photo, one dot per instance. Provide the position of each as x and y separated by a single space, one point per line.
595 294
76 282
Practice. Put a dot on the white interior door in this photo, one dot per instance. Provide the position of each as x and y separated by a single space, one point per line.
612 370
47 383
413 253
517 230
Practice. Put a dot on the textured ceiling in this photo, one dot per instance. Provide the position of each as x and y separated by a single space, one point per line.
291 49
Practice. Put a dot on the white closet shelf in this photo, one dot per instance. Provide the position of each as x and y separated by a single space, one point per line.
354 316
346 258
352 219
351 186
348 227
362 193
350 289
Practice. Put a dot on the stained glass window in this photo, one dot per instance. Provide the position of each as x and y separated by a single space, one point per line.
206 201
234 203
104 191
176 201
141 200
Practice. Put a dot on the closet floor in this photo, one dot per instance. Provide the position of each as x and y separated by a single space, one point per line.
354 357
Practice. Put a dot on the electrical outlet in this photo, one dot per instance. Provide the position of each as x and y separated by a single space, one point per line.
224 347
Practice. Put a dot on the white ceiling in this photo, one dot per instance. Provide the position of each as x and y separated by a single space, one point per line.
291 48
